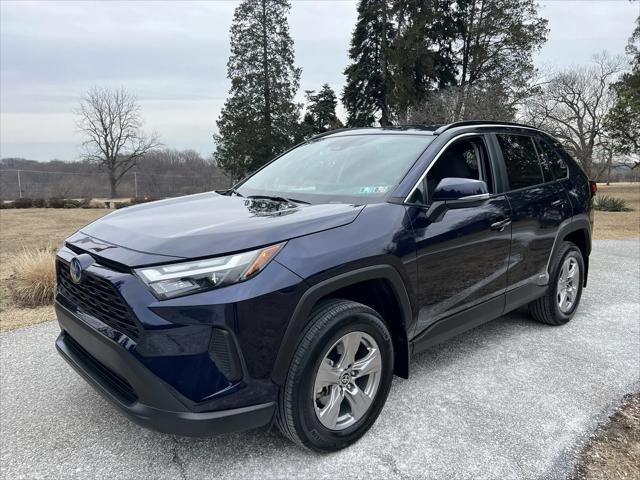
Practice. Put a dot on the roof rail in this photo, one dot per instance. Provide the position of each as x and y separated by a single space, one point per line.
465 123
328 132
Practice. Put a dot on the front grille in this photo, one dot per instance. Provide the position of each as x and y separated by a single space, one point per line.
117 385
98 298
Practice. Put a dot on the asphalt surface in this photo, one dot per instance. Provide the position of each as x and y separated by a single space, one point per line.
510 399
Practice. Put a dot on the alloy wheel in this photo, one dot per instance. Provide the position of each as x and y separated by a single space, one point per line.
568 283
347 380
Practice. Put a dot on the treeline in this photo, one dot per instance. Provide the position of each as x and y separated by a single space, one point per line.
423 62
159 173
411 61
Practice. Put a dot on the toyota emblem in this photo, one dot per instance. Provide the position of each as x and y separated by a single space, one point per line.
75 270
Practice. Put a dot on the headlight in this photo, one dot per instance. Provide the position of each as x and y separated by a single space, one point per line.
176 279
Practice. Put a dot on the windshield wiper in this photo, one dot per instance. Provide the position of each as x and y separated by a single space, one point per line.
278 199
232 191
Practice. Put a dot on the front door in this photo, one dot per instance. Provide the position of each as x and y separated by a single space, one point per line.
462 258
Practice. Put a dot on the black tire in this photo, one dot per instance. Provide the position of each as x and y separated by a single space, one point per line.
546 309
328 323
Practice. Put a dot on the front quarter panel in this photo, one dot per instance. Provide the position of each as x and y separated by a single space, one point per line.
381 235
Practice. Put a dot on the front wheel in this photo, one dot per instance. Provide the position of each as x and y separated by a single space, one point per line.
339 377
560 302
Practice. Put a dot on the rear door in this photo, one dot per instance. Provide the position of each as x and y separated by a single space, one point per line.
462 258
539 204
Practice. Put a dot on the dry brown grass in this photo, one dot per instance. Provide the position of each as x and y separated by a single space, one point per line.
33 229
619 225
614 450
33 282
96 203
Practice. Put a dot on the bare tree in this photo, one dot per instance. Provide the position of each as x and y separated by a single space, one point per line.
111 123
573 105
490 103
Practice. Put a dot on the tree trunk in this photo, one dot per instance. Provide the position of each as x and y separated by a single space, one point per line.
267 86
466 58
113 184
384 107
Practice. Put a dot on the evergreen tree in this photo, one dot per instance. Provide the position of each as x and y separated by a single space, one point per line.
320 113
260 117
623 121
633 47
422 56
369 81
405 51
497 41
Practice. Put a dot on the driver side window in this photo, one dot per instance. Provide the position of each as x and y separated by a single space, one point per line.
466 158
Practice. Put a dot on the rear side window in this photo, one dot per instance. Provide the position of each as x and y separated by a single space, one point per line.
521 159
551 160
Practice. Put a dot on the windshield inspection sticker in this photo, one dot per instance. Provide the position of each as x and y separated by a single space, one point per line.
374 189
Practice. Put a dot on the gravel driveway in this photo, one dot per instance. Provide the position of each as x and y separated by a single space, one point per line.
510 399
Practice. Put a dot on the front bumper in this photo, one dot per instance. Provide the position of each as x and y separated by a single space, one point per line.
125 382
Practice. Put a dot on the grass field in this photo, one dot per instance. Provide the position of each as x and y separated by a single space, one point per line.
47 228
27 229
619 225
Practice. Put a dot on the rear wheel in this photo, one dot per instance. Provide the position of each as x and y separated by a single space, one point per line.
560 302
339 377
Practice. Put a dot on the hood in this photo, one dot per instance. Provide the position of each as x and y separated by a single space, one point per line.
209 224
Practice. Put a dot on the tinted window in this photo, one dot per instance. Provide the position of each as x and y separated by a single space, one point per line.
464 159
551 159
521 159
545 165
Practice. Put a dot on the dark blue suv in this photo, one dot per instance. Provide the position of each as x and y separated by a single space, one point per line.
296 296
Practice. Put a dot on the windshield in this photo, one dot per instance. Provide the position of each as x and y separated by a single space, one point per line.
346 169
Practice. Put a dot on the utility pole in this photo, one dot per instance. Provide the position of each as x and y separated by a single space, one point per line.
19 185
135 182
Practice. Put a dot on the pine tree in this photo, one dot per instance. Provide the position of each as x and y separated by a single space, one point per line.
406 52
623 121
497 42
320 113
259 118
422 55
369 81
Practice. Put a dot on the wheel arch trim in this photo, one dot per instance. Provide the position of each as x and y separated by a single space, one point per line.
299 318
577 223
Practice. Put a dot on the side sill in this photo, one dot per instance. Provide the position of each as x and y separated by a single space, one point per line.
456 324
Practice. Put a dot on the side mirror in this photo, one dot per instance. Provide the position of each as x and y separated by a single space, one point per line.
454 192
454 188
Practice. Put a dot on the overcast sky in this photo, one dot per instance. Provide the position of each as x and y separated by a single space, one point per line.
173 56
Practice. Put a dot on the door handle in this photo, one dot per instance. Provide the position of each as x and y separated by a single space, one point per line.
501 225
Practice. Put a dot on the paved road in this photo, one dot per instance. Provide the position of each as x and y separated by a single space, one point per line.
510 399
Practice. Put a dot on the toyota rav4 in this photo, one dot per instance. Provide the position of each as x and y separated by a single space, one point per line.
294 297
